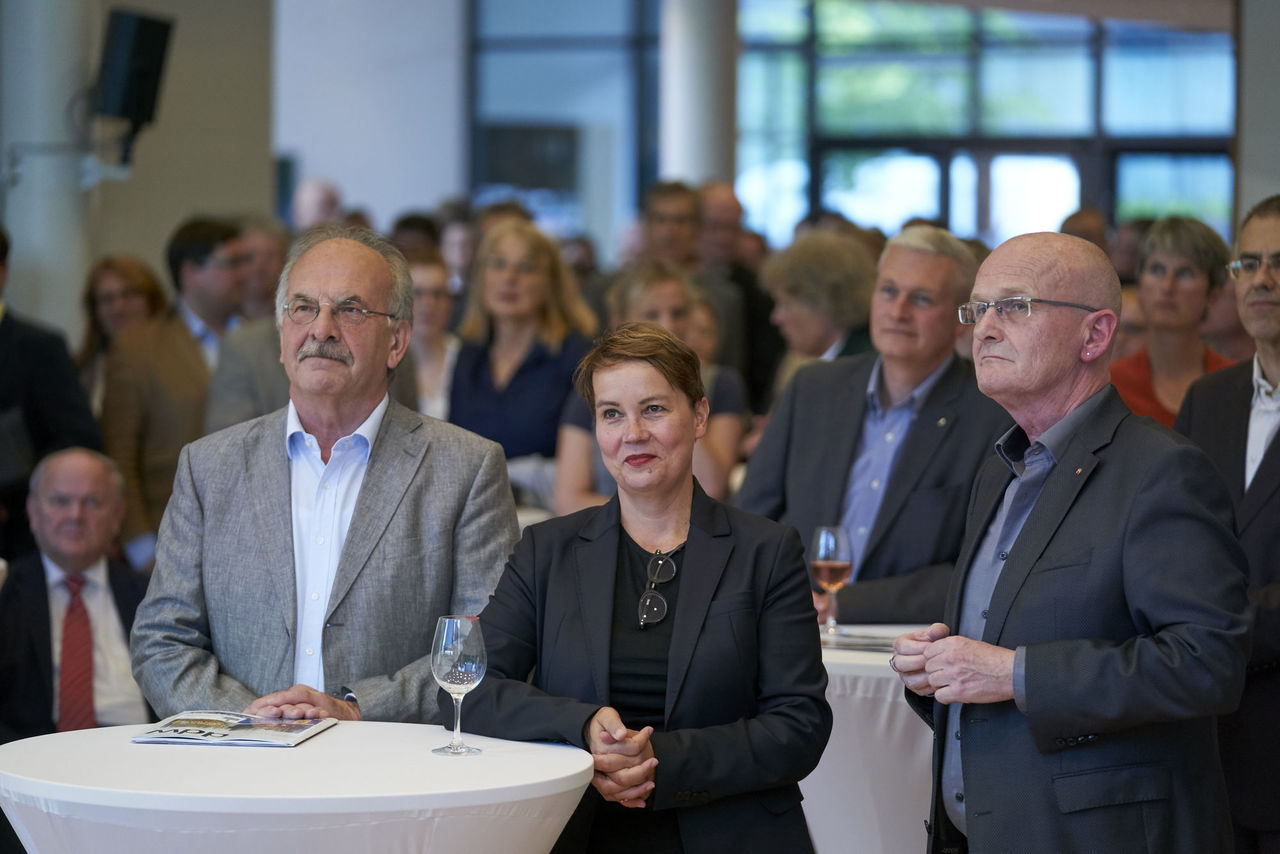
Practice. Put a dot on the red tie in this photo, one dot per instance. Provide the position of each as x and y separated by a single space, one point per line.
75 679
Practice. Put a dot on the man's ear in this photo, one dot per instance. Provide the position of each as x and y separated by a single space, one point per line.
1102 328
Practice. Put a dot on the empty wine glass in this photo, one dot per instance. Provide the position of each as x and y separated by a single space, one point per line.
458 661
831 566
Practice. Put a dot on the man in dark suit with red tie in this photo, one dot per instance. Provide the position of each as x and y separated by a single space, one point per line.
65 611
1233 414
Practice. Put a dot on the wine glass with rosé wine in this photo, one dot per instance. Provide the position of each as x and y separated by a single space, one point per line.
831 566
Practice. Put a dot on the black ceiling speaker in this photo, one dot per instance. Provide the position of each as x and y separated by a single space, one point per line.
129 75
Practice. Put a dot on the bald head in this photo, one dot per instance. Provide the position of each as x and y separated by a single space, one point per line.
1088 224
1062 266
1043 363
721 224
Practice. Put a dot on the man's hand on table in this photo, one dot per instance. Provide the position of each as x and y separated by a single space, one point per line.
303 701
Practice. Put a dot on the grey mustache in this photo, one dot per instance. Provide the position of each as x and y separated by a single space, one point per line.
325 350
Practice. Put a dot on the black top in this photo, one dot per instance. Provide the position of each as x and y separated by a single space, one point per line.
638 657
638 690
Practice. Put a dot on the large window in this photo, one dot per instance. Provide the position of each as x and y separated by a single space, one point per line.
564 110
994 122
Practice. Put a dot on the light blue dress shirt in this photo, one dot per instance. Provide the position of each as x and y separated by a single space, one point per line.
879 442
204 335
323 498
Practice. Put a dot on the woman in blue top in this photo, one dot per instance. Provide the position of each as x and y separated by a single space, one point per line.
524 331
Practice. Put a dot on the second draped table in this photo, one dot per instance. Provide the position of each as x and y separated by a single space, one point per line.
870 792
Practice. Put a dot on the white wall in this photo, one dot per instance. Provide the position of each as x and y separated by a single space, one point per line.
370 95
207 152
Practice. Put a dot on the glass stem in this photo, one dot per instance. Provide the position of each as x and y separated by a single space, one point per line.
831 613
457 722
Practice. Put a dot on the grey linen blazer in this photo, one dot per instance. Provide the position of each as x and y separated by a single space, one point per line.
433 524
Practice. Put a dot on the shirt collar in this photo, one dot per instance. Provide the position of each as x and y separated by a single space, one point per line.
918 394
834 350
1014 444
54 575
1265 395
295 436
199 329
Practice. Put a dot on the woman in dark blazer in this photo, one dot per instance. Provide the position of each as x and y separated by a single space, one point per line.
669 634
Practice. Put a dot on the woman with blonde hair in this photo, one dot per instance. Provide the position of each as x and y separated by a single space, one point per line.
524 331
119 291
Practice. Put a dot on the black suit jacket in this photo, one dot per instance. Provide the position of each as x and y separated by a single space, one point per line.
26 658
1126 586
1215 415
42 408
799 475
746 712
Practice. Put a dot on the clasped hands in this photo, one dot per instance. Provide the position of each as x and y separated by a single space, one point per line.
953 669
624 760
303 701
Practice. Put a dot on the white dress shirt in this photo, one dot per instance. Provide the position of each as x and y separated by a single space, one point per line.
1264 418
116 697
323 498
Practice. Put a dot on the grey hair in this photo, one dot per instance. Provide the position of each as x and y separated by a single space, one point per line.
113 470
939 241
401 307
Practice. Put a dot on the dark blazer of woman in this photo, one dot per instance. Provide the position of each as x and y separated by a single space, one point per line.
746 715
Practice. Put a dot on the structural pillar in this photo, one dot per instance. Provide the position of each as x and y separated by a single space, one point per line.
697 90
44 110
1257 115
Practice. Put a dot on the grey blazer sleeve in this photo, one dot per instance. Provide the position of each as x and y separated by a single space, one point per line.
171 644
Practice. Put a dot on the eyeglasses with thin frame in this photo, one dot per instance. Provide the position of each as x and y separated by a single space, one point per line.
1252 264
304 312
653 605
1013 307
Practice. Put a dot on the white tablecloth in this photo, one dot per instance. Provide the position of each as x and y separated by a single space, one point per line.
357 787
870 792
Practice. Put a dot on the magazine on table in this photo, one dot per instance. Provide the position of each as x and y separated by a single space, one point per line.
232 729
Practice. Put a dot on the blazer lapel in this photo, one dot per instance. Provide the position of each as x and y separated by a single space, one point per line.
1229 441
706 554
394 459
1064 483
266 471
595 558
848 406
925 439
1266 480
35 597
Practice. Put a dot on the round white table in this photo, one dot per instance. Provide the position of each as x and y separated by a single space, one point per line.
359 786
870 791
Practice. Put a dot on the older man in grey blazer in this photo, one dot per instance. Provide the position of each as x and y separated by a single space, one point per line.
306 554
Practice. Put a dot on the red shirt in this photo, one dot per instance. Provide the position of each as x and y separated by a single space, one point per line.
1132 378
